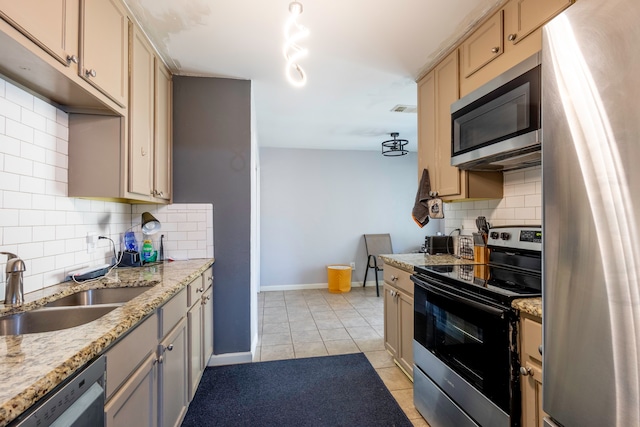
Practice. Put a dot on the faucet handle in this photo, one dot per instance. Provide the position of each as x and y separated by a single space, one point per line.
9 255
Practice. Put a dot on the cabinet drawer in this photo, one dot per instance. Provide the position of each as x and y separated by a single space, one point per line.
531 339
398 278
172 312
194 291
126 355
208 278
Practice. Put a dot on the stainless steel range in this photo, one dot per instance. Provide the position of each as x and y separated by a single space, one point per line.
466 369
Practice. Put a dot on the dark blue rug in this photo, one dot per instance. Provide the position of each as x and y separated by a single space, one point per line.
340 390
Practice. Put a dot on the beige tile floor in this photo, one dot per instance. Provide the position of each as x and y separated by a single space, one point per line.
308 323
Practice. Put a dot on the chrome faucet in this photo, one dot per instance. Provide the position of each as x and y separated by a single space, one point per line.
14 290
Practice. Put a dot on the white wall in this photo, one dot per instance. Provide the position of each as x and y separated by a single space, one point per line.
317 204
47 229
521 204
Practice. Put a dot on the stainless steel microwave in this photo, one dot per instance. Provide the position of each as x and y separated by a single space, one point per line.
497 126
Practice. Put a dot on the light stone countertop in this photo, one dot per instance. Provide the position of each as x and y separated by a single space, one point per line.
31 365
406 262
532 306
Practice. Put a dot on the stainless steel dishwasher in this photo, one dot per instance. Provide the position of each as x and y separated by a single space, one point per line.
78 403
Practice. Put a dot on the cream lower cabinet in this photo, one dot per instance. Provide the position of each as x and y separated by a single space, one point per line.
147 378
531 371
398 317
200 325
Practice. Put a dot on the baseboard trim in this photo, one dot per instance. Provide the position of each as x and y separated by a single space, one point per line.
230 358
312 286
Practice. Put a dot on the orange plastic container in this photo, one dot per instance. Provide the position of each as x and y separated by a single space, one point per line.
339 278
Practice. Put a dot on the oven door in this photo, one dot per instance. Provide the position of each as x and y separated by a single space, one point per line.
466 333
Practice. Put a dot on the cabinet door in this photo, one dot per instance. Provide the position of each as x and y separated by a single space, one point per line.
391 327
527 15
405 355
104 47
141 112
483 46
532 413
135 402
427 126
51 24
173 376
163 131
446 92
194 324
207 326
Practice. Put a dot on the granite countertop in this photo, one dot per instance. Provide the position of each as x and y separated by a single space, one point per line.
532 306
31 365
406 262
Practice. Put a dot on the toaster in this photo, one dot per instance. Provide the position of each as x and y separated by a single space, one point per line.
438 245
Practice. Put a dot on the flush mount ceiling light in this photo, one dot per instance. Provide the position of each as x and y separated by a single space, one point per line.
293 33
394 147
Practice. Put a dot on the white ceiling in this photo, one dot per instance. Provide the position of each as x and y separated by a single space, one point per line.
364 58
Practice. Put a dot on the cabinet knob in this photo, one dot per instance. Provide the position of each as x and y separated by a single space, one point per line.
199 290
512 37
208 297
160 360
540 349
72 58
525 371
495 50
143 152
90 73
170 347
210 278
393 278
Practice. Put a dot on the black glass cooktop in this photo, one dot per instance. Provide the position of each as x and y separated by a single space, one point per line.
501 283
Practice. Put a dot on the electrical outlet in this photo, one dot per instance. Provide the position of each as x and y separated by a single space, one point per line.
92 240
353 265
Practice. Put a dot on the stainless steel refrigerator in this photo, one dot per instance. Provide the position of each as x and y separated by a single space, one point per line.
591 216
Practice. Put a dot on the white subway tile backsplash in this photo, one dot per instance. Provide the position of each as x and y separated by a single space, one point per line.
9 145
33 120
16 200
524 213
16 235
29 184
532 200
515 177
46 228
533 175
17 130
44 109
514 201
526 188
9 181
19 96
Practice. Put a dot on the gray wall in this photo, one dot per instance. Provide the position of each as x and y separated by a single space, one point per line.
316 205
211 164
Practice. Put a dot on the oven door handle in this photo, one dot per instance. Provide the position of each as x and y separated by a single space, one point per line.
468 301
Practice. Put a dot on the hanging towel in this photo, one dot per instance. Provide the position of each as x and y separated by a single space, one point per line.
420 211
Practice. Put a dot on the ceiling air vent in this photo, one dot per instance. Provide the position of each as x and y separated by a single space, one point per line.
400 108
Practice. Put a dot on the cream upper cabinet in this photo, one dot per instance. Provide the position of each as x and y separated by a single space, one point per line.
525 16
436 92
483 46
104 47
51 24
141 114
163 133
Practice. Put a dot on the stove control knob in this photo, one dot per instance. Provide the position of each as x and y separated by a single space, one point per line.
494 235
505 236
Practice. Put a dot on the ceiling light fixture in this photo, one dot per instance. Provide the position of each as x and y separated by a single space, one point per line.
394 147
293 33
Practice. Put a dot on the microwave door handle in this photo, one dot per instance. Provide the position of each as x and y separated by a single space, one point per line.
468 301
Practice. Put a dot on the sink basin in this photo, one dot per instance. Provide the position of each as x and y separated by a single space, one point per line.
51 319
99 296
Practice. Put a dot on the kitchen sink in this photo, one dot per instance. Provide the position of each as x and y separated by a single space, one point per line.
99 296
51 319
